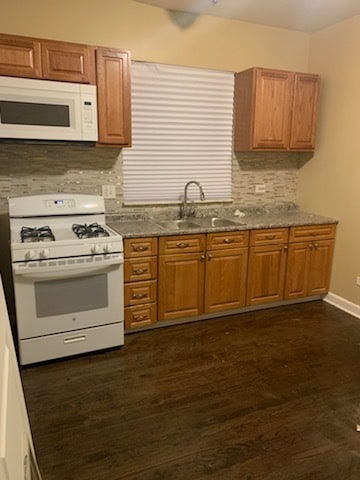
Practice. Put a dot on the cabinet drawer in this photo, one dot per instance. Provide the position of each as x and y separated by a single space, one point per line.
269 236
140 247
182 243
138 269
312 232
219 241
140 292
140 316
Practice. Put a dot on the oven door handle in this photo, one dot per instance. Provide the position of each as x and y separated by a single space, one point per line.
66 271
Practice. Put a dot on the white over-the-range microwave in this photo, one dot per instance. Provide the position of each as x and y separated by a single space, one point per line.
47 110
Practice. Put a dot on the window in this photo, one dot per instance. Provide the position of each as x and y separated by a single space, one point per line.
182 130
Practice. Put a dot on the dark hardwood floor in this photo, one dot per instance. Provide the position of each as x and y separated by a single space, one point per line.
272 394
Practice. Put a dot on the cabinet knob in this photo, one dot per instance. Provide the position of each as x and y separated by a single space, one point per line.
202 258
210 256
311 246
182 245
286 248
316 245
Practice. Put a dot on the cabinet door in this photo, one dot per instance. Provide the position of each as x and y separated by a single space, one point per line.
114 102
20 56
68 62
266 274
225 279
181 285
304 112
272 109
320 267
297 270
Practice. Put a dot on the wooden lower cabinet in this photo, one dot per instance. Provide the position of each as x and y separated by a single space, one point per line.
202 281
181 285
267 265
140 289
266 274
309 262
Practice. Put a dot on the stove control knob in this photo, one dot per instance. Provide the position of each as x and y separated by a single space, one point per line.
30 255
44 253
107 247
96 249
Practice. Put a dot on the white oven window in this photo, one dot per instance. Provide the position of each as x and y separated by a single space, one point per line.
71 295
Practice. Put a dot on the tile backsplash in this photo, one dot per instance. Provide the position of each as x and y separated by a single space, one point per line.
29 169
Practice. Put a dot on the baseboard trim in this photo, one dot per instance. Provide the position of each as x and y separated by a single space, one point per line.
343 304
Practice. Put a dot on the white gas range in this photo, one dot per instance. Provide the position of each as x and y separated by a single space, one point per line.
68 276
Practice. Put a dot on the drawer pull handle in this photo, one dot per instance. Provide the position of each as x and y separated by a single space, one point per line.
228 240
80 338
182 245
270 237
139 318
140 248
140 271
137 296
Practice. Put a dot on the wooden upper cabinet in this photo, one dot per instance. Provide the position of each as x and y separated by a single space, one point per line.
20 56
275 110
304 111
46 59
68 62
114 100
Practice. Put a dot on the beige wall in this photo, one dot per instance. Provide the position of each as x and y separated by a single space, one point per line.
154 34
330 182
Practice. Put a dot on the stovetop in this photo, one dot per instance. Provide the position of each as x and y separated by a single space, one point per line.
75 226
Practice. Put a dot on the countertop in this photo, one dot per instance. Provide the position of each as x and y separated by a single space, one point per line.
145 225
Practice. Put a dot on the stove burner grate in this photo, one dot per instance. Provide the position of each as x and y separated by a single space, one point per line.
89 231
37 234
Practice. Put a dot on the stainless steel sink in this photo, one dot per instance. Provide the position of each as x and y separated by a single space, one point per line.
217 222
178 224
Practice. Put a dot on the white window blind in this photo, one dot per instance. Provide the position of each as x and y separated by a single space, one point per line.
182 131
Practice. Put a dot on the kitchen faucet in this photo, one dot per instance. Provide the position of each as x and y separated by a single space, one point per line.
186 211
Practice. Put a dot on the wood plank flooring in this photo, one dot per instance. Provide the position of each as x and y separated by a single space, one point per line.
272 394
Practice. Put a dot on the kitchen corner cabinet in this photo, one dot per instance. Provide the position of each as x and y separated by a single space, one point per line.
310 257
267 265
275 110
140 275
114 96
46 59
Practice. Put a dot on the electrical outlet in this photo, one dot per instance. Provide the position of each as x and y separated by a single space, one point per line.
260 188
109 191
358 281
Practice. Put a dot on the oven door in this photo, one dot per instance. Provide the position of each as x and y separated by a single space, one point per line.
55 300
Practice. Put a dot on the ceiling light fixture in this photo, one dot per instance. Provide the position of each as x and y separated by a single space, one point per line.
214 2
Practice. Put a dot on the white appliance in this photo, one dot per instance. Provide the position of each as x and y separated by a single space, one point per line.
67 269
47 110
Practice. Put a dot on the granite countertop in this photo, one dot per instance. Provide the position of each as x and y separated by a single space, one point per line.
144 225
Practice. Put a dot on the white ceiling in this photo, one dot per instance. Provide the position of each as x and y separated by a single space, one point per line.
303 15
